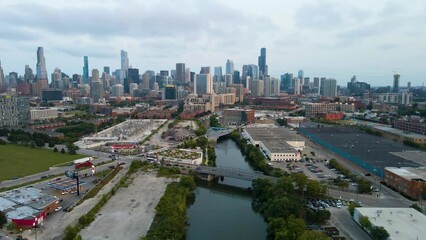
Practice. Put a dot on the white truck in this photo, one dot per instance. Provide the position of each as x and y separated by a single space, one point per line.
82 160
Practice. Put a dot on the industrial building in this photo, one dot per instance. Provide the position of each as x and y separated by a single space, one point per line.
408 181
276 143
184 156
400 223
237 116
24 206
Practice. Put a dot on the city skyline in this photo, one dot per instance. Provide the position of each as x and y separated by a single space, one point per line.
325 39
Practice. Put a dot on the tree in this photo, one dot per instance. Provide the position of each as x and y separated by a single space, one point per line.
55 149
351 208
70 233
62 151
313 235
188 182
72 148
379 233
39 142
365 223
3 219
51 144
417 207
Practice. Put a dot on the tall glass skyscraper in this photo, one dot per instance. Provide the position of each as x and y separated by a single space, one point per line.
86 70
263 68
395 88
41 65
124 65
229 67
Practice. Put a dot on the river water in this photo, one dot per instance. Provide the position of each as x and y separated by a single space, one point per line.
222 210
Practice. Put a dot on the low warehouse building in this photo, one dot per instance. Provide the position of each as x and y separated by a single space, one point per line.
400 223
276 143
408 181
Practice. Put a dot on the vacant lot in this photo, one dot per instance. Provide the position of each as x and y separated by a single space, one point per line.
129 213
18 161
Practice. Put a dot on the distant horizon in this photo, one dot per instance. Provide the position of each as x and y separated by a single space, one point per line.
327 38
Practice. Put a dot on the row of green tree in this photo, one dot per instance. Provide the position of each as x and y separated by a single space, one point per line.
376 232
364 185
414 144
283 207
254 156
170 221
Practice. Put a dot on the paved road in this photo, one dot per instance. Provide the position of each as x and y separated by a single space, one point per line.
348 227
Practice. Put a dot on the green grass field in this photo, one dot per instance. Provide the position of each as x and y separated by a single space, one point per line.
19 161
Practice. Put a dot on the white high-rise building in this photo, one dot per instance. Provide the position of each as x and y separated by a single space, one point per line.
297 86
41 65
124 65
267 85
229 67
203 84
117 90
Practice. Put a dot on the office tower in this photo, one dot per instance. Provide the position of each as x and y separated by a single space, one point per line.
409 86
275 87
170 92
236 77
164 73
257 87
151 75
117 90
77 79
107 70
286 82
263 68
57 79
316 82
395 88
301 74
2 82
13 79
297 86
267 82
28 75
229 67
203 84
218 71
132 88
95 75
86 70
96 90
328 87
205 70
173 74
124 65
132 77
307 82
145 81
180 72
14 110
250 70
228 79
41 65
187 75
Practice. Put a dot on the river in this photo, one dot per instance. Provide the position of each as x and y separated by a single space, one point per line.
223 210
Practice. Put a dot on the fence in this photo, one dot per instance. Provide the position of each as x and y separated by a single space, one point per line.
363 164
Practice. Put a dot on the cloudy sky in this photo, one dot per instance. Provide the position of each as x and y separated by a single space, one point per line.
333 38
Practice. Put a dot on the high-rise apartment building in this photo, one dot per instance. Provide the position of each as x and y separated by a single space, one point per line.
180 73
301 74
96 90
86 70
297 86
41 65
257 87
57 81
14 110
236 79
328 87
28 75
229 67
203 84
218 71
395 88
263 68
95 75
117 90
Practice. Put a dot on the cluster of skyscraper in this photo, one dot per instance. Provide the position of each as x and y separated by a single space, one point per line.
178 82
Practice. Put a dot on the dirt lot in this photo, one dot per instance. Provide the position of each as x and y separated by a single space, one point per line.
129 214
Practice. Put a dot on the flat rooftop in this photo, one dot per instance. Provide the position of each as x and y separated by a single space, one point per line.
6 204
29 196
65 184
409 173
377 151
400 223
274 138
23 212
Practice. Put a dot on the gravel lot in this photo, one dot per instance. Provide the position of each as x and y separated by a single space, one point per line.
129 213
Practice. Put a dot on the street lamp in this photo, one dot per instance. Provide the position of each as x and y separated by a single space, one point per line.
35 225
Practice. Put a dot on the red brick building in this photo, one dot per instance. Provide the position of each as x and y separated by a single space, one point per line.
408 181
